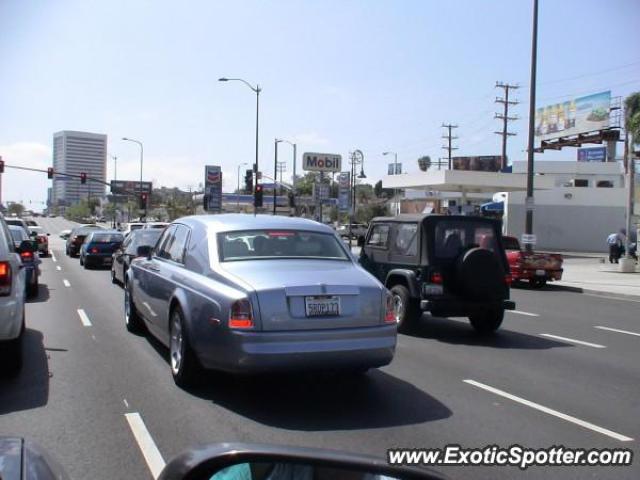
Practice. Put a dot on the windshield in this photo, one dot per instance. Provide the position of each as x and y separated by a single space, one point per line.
455 237
510 243
279 244
106 238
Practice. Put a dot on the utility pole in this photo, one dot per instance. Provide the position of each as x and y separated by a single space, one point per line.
449 138
528 228
505 119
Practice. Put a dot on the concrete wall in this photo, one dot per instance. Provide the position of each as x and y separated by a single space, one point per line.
570 219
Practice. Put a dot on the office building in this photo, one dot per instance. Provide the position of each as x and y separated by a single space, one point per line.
75 153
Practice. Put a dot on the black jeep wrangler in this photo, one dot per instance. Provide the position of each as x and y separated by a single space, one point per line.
450 266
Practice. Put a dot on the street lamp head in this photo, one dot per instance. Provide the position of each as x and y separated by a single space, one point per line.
223 79
362 175
125 138
386 153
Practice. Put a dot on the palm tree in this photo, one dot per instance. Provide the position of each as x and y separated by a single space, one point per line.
632 128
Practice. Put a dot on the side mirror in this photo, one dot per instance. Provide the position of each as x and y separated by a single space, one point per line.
26 246
361 241
48 234
144 251
242 461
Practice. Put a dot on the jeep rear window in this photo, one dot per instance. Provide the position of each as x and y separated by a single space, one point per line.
407 239
454 237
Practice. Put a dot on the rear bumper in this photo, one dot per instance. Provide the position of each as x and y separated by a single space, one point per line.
452 307
262 352
98 258
528 274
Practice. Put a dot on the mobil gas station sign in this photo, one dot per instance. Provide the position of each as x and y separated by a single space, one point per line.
321 162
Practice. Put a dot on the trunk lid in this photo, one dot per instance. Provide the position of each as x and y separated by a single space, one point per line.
289 291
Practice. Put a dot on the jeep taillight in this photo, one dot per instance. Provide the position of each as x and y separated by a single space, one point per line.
436 277
5 279
241 315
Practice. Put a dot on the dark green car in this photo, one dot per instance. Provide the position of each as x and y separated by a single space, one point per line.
449 266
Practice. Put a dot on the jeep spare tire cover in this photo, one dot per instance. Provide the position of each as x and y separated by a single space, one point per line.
480 275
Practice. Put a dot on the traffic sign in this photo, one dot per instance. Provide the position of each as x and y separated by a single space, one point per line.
529 239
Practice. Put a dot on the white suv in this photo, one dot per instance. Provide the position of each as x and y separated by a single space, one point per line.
12 293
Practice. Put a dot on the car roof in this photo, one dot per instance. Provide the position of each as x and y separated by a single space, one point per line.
420 217
234 221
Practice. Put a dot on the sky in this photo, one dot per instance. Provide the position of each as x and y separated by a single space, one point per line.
374 75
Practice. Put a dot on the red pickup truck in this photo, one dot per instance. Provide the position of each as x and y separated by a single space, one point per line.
536 268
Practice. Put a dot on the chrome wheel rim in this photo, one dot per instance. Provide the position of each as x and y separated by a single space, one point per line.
398 308
176 343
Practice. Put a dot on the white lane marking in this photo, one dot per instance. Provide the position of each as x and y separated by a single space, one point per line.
66 282
611 298
550 411
53 257
617 330
94 338
58 267
150 451
573 340
84 318
528 314
126 404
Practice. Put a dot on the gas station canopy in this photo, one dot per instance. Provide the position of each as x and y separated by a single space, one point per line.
464 181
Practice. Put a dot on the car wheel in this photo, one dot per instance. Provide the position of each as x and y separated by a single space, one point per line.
537 282
405 308
12 355
113 275
185 368
81 261
132 319
488 321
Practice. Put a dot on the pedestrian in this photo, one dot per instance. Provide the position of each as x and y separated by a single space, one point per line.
614 241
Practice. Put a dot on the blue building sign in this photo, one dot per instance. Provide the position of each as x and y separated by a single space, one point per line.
593 154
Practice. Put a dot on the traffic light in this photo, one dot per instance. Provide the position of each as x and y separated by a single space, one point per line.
83 178
257 196
248 181
50 173
143 200
1 165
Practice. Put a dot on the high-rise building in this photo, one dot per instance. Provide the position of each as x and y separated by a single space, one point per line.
75 153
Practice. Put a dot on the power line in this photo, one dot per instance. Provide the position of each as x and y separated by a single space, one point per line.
592 74
505 133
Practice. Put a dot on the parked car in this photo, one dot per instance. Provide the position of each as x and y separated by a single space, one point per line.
19 222
98 247
240 293
128 251
42 239
12 313
76 239
450 266
29 257
533 267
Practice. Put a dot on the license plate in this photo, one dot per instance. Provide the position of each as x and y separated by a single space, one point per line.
540 273
322 306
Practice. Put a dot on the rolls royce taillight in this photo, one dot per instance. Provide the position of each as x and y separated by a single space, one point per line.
5 279
389 314
241 315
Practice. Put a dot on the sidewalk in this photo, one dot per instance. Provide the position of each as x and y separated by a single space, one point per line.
590 275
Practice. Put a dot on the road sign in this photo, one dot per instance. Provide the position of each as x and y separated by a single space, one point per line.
529 204
320 191
321 162
394 169
213 188
127 187
344 193
592 154
529 239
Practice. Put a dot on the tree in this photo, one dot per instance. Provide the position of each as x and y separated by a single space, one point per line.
424 163
78 212
367 212
632 128
15 208
304 185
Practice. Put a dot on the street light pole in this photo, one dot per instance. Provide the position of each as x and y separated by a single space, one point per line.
257 91
532 112
275 173
238 189
141 162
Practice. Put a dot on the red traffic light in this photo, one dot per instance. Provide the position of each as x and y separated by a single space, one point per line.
258 188
50 173
1 165
83 178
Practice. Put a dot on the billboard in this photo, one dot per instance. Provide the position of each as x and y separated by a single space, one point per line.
592 154
394 171
578 115
321 162
484 163
129 187
213 188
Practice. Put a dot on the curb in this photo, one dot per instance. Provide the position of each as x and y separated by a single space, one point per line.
567 288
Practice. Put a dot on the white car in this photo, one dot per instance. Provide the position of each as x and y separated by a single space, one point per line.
12 296
129 227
